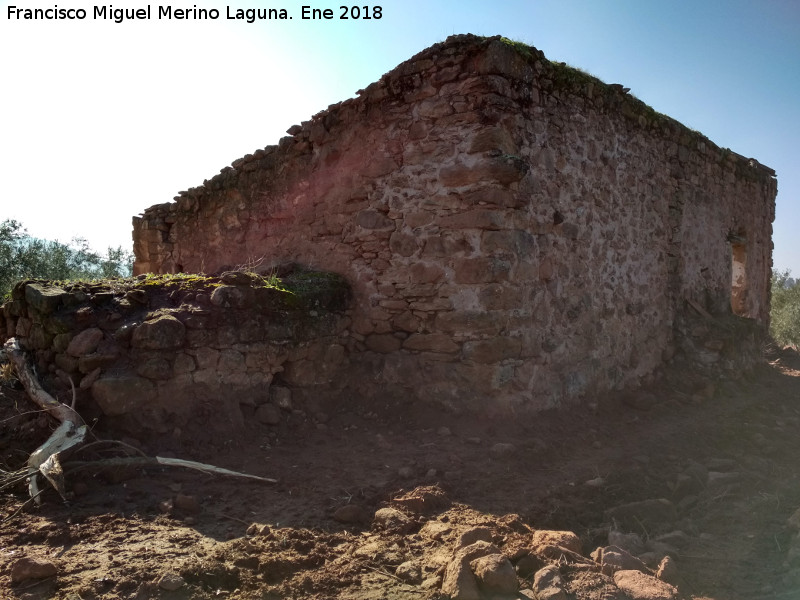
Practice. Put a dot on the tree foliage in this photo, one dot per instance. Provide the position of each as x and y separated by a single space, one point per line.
24 257
785 312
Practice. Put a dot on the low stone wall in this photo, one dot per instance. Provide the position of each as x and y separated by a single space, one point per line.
159 353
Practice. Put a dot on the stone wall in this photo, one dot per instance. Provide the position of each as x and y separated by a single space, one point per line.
160 353
516 232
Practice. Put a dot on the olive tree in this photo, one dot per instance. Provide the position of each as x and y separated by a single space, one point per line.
23 256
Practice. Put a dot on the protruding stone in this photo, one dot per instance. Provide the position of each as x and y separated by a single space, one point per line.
613 559
44 298
639 586
32 568
563 539
85 342
171 582
391 518
350 513
495 574
163 333
548 584
410 572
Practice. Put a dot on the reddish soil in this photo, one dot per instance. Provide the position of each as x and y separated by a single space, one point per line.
725 457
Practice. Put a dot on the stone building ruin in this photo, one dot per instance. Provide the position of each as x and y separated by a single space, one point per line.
515 231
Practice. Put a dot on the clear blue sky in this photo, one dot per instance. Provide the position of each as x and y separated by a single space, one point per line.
101 120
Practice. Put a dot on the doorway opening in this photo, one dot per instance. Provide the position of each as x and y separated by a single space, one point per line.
739 273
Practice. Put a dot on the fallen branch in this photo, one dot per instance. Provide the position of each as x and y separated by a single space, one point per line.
71 432
35 391
69 436
160 461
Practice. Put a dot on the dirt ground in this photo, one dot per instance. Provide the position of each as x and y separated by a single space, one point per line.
712 472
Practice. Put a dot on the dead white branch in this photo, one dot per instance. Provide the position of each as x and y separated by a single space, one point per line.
148 461
37 393
71 432
46 460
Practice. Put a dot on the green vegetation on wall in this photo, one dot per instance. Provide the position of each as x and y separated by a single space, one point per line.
24 257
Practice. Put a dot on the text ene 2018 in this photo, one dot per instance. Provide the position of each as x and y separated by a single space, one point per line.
346 12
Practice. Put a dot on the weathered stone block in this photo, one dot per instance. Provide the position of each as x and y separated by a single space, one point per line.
374 220
44 298
383 342
232 296
122 395
492 350
480 270
403 243
85 342
493 138
431 342
183 364
163 333
231 361
154 368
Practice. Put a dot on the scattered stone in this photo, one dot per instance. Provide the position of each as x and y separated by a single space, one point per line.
476 534
258 529
350 513
423 499
630 542
435 530
495 574
443 431
548 584
528 565
562 539
459 582
391 518
644 587
409 572
170 581
186 503
614 558
32 568
676 539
